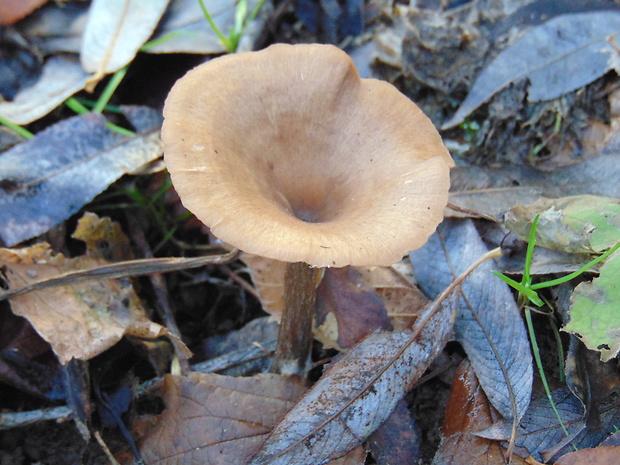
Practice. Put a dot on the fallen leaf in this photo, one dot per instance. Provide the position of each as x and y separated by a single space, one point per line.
443 48
193 33
260 332
347 309
468 411
356 457
398 440
268 278
557 57
396 293
60 28
601 455
56 28
12 11
577 224
79 321
489 192
60 78
497 318
103 237
541 435
355 395
212 419
612 440
594 313
402 300
115 31
48 178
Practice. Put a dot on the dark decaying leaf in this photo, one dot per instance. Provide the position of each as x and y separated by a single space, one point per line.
348 309
355 395
60 78
557 57
76 381
212 419
331 21
115 31
51 176
398 439
448 252
19 345
493 192
467 412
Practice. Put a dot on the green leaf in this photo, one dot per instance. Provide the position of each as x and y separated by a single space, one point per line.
595 312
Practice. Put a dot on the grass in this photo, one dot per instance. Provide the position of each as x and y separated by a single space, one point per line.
527 293
242 20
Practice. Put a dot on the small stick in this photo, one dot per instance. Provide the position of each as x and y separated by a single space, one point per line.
125 269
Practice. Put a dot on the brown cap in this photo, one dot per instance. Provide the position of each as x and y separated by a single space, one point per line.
286 153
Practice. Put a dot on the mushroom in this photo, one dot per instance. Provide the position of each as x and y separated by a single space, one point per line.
286 153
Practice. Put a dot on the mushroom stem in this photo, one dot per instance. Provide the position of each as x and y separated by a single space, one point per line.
292 354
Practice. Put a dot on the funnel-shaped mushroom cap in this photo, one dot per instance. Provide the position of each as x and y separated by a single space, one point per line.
286 153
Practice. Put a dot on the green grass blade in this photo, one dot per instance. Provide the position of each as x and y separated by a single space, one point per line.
23 132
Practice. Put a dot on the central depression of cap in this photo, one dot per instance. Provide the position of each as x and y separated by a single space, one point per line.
286 153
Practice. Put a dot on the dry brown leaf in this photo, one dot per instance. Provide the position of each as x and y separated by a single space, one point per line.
12 11
103 237
347 309
604 455
398 294
212 419
81 320
467 412
356 457
268 278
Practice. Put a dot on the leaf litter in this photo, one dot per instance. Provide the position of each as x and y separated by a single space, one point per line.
213 419
577 224
82 320
60 78
489 325
50 177
467 412
361 389
115 31
557 57
489 200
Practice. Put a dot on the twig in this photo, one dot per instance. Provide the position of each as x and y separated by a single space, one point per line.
125 269
164 308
